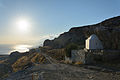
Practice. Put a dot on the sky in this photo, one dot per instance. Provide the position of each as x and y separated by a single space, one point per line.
33 21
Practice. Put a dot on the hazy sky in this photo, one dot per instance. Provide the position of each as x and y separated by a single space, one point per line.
48 18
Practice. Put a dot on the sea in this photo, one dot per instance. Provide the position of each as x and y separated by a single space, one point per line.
6 49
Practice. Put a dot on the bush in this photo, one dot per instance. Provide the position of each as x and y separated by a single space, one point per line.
58 54
78 63
70 47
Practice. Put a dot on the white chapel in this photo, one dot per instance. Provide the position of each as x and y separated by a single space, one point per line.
93 42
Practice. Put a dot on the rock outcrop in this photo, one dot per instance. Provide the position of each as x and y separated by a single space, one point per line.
108 32
17 61
28 61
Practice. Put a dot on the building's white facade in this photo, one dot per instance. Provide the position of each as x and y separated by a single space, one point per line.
93 42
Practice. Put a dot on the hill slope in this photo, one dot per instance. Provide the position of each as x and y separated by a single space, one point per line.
108 32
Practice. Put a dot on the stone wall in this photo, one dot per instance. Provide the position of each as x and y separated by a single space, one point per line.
110 55
78 55
93 56
81 56
105 55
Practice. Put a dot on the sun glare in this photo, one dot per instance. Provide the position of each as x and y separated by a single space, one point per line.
22 48
23 25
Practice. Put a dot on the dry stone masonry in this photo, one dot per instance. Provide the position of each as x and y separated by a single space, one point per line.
93 52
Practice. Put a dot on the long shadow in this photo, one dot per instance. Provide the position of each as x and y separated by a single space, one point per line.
100 67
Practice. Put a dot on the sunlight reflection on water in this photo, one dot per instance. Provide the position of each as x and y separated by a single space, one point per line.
22 48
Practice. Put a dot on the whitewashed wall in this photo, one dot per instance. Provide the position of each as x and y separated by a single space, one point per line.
93 42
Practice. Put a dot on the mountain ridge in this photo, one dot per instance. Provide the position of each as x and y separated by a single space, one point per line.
108 31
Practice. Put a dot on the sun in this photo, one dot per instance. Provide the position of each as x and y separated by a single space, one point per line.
23 25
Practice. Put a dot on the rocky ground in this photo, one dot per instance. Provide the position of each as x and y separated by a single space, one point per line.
59 71
63 72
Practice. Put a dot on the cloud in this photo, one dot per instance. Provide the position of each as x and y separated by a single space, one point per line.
38 40
50 37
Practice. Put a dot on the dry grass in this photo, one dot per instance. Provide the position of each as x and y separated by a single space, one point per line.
78 63
57 54
27 61
38 59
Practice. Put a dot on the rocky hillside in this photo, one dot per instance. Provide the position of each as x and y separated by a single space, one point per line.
108 32
17 61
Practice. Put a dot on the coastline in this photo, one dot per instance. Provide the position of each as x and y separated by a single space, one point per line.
6 50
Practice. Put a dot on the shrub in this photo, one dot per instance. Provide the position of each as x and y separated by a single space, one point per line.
78 63
57 54
70 47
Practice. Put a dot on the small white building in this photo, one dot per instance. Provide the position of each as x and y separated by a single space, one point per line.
93 42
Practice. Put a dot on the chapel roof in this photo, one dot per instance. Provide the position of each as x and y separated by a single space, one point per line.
93 36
